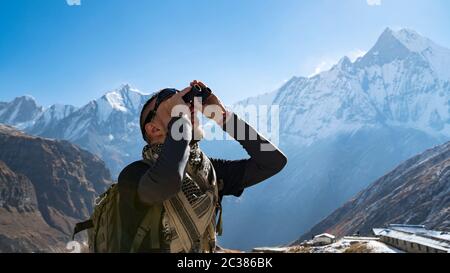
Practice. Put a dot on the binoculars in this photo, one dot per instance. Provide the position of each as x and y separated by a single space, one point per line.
197 91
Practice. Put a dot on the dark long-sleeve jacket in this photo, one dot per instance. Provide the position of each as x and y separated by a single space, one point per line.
141 185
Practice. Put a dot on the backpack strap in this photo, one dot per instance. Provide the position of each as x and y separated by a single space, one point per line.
150 223
79 227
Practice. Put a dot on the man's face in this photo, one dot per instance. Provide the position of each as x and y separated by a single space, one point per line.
156 132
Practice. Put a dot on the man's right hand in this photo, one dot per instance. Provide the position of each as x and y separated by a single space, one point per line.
164 112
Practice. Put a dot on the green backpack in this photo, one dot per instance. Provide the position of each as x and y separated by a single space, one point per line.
105 228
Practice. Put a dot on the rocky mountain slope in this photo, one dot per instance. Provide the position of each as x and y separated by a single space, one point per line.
416 192
45 186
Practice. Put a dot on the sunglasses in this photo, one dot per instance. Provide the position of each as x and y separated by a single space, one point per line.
162 96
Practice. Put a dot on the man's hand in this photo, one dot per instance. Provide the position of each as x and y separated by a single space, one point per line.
213 108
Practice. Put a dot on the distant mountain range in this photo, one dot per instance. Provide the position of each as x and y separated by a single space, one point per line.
108 126
46 186
416 192
341 129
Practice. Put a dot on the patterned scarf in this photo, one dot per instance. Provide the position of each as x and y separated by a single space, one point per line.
189 217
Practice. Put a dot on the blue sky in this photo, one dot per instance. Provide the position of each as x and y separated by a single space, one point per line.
62 53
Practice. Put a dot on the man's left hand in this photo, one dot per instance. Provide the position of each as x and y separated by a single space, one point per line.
215 109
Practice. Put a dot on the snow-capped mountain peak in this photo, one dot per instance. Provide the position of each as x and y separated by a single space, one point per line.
412 40
126 89
115 100
437 56
20 110
58 112
27 98
345 61
107 126
409 38
408 45
401 81
387 49
344 64
122 99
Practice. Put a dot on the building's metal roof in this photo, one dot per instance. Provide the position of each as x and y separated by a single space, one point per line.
325 235
416 234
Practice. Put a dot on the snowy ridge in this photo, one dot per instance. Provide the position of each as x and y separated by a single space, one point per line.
437 56
20 111
123 100
54 113
402 81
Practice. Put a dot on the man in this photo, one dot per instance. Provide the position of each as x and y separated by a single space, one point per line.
170 200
